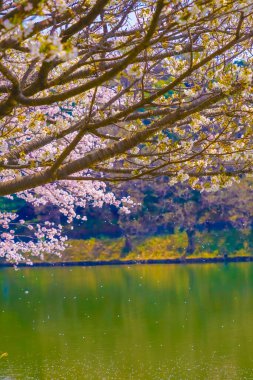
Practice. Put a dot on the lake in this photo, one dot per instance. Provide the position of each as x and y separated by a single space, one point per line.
150 322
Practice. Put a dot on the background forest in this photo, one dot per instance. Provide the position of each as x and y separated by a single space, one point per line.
165 221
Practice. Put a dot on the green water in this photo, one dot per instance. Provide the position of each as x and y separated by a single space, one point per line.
142 322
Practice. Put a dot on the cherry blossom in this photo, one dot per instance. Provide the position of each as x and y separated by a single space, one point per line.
97 92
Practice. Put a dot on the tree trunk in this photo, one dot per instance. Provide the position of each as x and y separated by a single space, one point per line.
191 242
127 247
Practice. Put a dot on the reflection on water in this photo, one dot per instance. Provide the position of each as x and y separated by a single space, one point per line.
140 322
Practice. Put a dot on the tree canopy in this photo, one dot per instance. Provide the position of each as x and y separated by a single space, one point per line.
105 91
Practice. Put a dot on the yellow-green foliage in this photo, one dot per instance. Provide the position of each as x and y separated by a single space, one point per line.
208 245
160 247
220 242
93 249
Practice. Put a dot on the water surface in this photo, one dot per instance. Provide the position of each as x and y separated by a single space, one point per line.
155 322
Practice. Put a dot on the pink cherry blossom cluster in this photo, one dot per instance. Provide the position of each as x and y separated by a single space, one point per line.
20 241
67 195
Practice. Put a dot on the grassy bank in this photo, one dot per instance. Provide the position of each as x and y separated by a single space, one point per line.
207 245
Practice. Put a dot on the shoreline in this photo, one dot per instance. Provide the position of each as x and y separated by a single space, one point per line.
235 259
